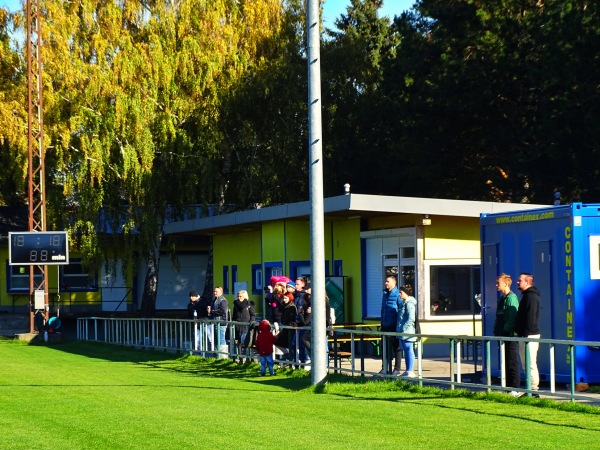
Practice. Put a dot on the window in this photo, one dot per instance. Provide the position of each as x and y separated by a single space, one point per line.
406 277
299 269
225 279
390 266
454 289
594 257
18 278
273 269
407 252
74 277
257 278
234 275
338 268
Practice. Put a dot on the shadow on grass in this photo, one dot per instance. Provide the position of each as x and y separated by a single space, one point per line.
360 388
294 380
107 352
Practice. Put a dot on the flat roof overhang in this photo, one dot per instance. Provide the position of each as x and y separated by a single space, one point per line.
343 207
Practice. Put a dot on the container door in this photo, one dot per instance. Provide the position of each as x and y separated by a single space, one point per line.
490 294
542 272
489 301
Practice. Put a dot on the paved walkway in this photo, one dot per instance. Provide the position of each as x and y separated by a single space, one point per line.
437 372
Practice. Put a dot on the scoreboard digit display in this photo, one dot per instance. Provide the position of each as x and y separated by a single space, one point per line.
38 248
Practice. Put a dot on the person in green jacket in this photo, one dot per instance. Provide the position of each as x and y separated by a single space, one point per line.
506 312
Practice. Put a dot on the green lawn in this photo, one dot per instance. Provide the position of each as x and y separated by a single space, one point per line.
75 395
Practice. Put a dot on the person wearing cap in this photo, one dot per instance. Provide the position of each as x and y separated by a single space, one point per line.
193 312
193 306
406 324
290 287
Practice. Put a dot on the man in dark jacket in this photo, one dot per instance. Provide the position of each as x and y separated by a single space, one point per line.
299 300
389 319
527 325
218 311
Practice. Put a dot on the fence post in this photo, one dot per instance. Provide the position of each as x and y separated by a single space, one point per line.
488 365
452 363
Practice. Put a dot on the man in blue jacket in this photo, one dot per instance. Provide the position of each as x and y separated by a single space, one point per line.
389 319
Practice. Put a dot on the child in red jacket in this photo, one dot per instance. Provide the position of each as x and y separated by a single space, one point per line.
264 345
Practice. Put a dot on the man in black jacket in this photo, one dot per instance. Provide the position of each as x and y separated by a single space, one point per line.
527 325
218 311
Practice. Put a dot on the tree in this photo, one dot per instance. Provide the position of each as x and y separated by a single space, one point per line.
352 59
489 97
133 104
13 118
264 122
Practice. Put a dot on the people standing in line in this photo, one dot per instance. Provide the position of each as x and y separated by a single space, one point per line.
527 325
294 346
506 313
264 345
306 314
288 318
218 311
242 312
299 300
204 305
274 301
390 303
300 292
406 324
305 320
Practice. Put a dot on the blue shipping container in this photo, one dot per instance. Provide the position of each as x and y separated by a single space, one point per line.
560 246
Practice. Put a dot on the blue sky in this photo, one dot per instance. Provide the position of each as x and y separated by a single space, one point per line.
12 4
331 10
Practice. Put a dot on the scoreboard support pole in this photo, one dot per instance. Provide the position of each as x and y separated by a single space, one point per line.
33 287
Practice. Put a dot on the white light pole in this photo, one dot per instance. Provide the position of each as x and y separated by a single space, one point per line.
317 239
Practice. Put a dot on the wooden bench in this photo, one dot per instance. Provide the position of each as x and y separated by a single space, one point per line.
342 342
340 354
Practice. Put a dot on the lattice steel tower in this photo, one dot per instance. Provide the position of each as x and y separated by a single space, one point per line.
38 274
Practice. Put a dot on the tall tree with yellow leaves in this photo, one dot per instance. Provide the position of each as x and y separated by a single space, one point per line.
133 95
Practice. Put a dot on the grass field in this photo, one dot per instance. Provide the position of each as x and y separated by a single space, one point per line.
75 395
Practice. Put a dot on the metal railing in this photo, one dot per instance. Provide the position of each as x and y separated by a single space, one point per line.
203 337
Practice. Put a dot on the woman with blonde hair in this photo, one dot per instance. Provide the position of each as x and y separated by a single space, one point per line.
242 312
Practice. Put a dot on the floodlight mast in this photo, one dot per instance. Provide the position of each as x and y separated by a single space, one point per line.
317 228
35 145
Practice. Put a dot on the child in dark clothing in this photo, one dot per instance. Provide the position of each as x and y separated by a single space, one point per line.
264 345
